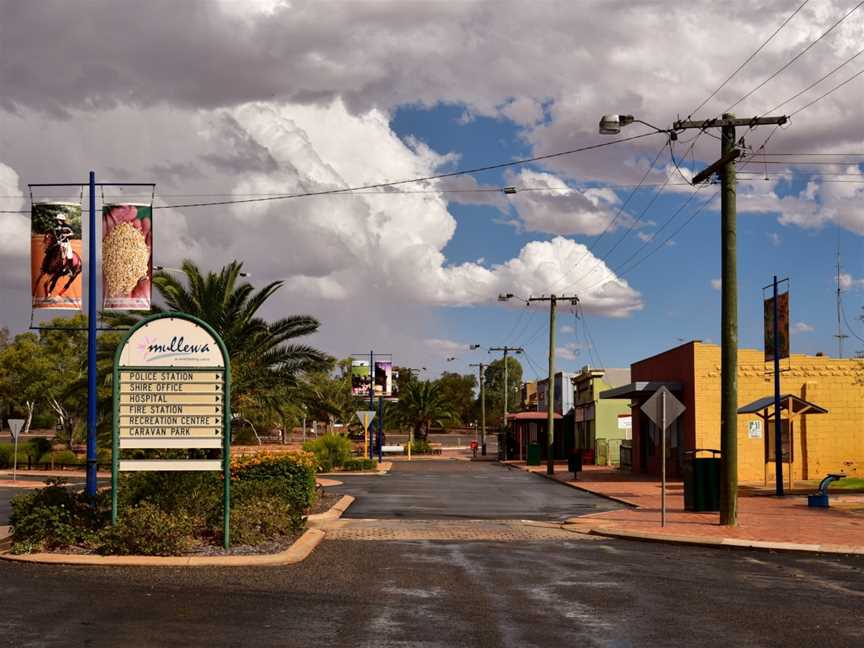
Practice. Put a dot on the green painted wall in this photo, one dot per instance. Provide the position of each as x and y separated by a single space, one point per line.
605 423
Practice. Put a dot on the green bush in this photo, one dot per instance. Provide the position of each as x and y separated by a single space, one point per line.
421 446
37 447
331 450
62 457
147 530
54 517
256 520
356 464
195 495
290 476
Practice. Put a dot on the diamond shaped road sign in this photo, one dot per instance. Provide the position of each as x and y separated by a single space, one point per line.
653 407
365 417
15 426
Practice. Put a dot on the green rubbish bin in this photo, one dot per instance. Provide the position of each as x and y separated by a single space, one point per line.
701 480
533 457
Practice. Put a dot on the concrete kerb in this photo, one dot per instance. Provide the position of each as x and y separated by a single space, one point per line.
297 552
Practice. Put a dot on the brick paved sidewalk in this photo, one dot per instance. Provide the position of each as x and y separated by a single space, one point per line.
762 519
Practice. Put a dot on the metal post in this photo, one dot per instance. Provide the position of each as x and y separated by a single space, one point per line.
482 414
370 447
505 404
91 343
778 423
663 458
729 335
550 391
15 458
380 428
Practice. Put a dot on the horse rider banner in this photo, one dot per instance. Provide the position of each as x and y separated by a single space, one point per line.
56 261
127 256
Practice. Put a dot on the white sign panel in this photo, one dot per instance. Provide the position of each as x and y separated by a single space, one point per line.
625 422
171 342
754 429
15 426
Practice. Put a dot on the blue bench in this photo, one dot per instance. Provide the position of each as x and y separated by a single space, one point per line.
820 499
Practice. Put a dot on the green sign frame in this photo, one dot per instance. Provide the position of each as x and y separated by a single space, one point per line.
226 413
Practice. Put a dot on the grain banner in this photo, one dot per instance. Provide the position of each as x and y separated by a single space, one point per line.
127 256
56 261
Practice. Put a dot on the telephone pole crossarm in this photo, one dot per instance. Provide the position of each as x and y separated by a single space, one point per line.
729 121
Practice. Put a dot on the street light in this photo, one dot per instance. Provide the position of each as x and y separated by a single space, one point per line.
612 125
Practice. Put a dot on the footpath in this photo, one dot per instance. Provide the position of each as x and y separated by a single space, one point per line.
764 521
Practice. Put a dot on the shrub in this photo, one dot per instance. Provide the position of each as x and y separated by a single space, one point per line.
54 517
421 446
255 520
361 463
37 447
195 495
147 530
62 457
290 475
331 450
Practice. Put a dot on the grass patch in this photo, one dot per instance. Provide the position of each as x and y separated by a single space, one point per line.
849 483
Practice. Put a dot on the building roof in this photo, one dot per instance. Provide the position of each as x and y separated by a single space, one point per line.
799 405
640 388
531 416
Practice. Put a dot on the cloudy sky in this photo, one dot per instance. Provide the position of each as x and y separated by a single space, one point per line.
232 99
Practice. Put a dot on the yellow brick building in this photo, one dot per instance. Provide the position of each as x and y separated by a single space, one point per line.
832 442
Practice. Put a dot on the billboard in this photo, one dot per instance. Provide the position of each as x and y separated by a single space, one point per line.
782 343
56 260
383 378
360 379
127 256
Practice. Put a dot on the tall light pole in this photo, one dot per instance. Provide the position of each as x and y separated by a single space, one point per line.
550 388
506 349
480 367
725 167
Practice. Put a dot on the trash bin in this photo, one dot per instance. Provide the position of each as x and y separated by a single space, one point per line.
533 457
701 480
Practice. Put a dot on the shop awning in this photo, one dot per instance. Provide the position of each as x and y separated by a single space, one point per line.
642 388
798 405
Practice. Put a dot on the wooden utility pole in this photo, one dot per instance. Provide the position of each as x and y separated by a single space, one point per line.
506 349
729 301
550 387
480 367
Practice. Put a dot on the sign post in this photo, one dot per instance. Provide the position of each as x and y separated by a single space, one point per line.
15 426
663 409
172 390
365 417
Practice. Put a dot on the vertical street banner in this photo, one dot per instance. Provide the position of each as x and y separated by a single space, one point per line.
361 379
781 345
127 256
383 378
56 260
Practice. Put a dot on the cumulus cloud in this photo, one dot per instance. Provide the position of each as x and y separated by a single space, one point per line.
716 284
568 329
549 205
569 351
802 327
848 282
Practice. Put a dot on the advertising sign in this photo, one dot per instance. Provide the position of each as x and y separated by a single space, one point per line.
360 378
127 256
171 390
782 343
56 255
383 378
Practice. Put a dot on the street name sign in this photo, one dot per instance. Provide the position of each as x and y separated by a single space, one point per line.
172 391
663 408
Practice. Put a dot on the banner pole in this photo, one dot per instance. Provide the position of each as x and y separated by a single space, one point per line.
91 344
778 423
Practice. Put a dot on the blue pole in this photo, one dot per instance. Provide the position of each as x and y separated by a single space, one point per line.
371 394
778 423
91 343
380 427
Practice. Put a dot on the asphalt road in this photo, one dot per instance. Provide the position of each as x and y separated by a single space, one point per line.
440 594
434 489
578 590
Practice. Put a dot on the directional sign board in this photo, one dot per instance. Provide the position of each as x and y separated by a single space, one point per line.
15 426
654 405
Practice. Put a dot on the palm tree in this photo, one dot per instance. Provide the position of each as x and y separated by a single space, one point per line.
422 405
264 360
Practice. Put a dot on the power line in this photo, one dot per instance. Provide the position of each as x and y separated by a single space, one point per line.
834 89
395 183
796 57
749 58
